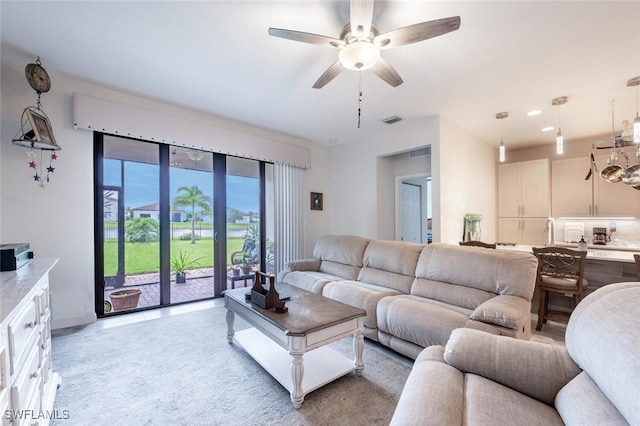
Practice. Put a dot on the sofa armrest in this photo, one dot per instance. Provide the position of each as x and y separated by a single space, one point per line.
505 311
538 370
433 393
303 265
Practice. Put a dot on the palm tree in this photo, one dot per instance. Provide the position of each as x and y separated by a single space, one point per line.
192 197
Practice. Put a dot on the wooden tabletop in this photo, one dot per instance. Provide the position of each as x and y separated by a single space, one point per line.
308 312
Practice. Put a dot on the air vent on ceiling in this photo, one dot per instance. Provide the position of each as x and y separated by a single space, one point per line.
420 152
392 119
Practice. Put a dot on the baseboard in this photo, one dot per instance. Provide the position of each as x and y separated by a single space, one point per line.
72 322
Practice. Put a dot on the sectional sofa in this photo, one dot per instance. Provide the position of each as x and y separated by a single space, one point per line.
481 379
415 295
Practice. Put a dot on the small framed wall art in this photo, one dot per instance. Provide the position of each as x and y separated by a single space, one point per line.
41 127
316 201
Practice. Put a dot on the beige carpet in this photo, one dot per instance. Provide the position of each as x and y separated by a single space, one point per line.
180 370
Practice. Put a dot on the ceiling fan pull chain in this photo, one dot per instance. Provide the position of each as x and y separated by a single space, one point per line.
359 99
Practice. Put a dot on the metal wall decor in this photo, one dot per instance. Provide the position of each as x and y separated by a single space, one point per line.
35 128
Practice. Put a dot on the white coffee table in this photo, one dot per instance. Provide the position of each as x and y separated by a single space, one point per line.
292 346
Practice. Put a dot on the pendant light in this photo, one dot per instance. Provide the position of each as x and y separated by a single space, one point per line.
559 139
500 116
635 82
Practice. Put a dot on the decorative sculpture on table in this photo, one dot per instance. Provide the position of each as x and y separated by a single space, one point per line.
35 128
266 298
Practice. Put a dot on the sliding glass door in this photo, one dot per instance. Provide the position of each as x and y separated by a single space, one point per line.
191 222
175 224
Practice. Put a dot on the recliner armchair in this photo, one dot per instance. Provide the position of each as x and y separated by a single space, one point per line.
482 379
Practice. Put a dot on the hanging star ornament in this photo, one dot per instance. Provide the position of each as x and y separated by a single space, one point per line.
38 177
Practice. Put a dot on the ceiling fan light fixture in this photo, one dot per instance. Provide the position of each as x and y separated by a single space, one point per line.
359 55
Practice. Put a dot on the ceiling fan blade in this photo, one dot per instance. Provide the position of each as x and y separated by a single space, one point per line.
417 32
306 37
385 71
331 73
361 14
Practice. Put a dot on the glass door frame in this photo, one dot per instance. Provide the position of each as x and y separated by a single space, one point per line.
219 218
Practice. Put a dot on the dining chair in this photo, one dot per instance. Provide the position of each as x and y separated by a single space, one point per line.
478 244
560 271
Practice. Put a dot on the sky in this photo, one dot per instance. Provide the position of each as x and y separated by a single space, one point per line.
142 186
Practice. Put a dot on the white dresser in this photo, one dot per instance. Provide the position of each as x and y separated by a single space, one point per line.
27 382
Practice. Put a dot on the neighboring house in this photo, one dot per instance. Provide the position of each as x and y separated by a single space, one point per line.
245 219
153 211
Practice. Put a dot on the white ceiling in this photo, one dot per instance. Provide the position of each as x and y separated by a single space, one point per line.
217 57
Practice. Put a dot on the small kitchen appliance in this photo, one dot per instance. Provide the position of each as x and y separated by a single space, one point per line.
600 235
472 230
14 256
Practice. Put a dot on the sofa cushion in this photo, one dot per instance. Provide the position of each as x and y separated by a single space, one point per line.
603 338
458 295
505 311
534 369
489 403
495 271
420 321
308 280
345 249
581 402
390 264
360 295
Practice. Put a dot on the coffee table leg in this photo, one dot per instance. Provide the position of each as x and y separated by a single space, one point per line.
230 320
297 371
358 348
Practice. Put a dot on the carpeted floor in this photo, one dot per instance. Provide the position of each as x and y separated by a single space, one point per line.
180 370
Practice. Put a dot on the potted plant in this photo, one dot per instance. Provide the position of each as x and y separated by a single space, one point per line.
125 299
181 262
245 265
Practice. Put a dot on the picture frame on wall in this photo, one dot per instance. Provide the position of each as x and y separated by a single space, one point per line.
316 201
41 127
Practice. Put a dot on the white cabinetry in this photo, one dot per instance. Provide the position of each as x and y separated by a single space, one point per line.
572 195
27 382
523 202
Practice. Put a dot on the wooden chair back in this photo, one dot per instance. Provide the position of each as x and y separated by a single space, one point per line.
478 244
561 262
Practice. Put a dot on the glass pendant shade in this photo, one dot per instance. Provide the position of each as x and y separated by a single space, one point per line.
359 55
559 143
636 130
502 151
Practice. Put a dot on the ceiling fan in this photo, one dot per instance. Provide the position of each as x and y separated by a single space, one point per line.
360 42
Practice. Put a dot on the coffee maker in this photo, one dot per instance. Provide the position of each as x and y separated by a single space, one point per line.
600 236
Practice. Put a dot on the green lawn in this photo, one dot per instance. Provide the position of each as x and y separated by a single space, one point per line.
144 257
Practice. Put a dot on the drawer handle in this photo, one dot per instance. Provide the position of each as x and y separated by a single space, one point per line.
34 375
30 324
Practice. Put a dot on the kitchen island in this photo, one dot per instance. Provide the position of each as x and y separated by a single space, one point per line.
605 265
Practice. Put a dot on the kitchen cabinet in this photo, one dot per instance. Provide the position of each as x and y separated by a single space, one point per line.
523 189
523 202
529 231
572 196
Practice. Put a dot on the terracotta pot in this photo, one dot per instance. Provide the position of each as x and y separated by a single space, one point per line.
125 299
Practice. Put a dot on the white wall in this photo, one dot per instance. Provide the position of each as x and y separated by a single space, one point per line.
357 175
463 170
58 221
467 183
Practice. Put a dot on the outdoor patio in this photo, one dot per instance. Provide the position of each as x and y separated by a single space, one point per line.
199 286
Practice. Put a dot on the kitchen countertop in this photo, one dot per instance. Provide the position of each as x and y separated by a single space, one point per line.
593 252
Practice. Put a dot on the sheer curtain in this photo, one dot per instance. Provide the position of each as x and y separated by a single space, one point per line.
289 208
